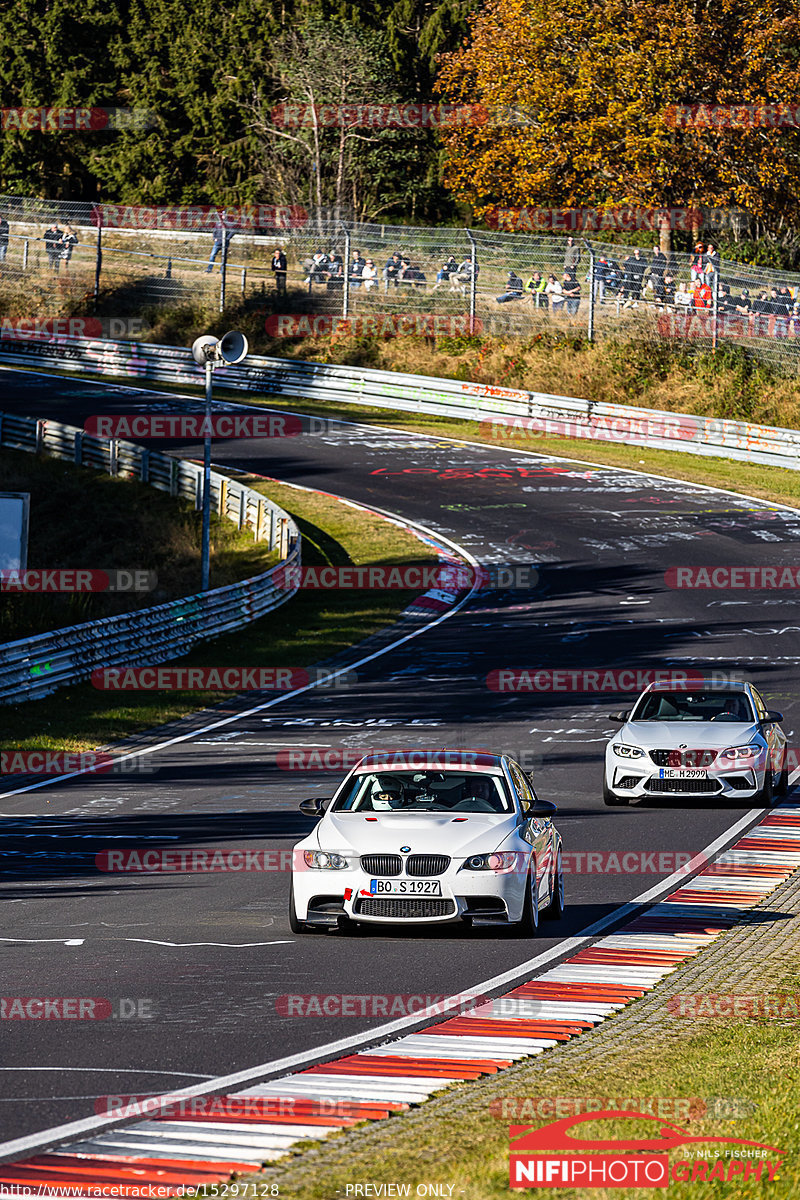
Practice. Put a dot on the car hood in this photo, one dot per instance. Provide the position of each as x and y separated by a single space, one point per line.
431 833
697 735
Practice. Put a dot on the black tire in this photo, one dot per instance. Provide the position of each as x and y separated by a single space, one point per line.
782 788
529 925
611 799
765 798
295 925
555 909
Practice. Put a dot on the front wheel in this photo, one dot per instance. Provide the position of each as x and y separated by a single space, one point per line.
295 925
529 925
555 909
764 798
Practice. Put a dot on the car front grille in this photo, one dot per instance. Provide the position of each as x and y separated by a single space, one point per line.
683 758
382 864
683 786
427 864
406 906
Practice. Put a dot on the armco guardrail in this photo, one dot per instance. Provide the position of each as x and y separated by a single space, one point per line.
419 393
36 666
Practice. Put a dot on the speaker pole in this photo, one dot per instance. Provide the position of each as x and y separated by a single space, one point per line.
206 536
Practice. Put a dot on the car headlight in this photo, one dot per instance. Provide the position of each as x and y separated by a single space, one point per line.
627 751
499 860
325 860
751 751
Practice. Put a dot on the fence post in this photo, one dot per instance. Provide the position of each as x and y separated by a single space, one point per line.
590 330
346 288
25 254
98 264
223 273
244 279
715 311
473 283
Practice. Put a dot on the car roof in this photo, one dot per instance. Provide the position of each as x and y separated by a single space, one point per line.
478 761
663 685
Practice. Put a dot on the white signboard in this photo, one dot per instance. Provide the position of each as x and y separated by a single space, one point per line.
14 508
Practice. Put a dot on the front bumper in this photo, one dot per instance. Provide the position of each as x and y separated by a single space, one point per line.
640 778
483 897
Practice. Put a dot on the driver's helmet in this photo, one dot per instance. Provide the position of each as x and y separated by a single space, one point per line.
387 792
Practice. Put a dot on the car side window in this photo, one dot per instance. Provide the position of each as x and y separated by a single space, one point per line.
761 707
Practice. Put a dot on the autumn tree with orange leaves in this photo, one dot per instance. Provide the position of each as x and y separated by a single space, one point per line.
597 79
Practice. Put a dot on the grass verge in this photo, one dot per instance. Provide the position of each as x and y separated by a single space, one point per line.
307 629
83 518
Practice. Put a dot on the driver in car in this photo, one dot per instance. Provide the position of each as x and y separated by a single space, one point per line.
386 793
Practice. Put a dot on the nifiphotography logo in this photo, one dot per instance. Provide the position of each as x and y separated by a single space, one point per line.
549 1156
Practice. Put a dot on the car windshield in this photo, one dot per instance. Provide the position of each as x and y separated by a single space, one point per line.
694 706
426 791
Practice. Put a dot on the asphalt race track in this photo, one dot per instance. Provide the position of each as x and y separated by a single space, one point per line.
207 957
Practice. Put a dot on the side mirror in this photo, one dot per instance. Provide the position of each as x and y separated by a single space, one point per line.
620 717
772 718
314 807
543 808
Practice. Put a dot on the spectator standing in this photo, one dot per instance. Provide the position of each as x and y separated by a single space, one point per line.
571 291
319 268
3 237
515 289
762 310
223 232
698 265
356 269
572 256
712 264
554 293
447 269
69 240
278 267
657 269
635 266
782 308
600 279
369 276
52 245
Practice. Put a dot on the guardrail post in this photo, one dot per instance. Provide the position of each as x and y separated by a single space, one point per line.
259 520
39 436
283 551
242 507
273 528
144 466
78 446
222 503
112 456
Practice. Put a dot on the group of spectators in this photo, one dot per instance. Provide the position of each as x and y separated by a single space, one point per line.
328 268
559 296
59 244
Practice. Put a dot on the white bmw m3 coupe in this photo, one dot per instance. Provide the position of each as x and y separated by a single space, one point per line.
420 837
